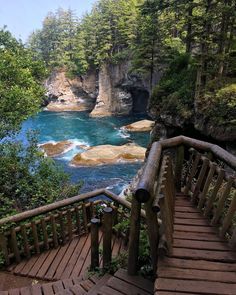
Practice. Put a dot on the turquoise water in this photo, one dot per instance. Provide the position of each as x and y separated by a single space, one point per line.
79 128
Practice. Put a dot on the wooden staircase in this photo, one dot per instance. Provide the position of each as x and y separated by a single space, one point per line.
120 283
192 233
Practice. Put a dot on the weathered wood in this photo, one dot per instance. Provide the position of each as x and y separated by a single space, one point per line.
107 236
35 237
14 245
229 216
134 237
69 224
210 175
233 239
77 216
85 219
179 160
52 207
205 164
213 195
192 173
45 234
25 241
62 227
221 202
54 231
146 183
94 243
3 247
152 231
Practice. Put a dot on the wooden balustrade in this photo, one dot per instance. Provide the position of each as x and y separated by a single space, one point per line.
213 191
40 229
165 199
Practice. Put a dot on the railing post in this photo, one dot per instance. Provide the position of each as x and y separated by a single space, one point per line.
134 237
179 160
94 243
107 236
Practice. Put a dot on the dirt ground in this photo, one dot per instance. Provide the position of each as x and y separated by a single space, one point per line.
10 281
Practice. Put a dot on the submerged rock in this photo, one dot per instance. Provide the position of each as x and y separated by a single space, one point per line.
57 148
140 126
109 154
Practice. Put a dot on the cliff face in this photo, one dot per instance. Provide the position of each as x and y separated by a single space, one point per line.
65 94
111 91
119 93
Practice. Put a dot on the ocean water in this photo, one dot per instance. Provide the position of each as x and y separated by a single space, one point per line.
79 128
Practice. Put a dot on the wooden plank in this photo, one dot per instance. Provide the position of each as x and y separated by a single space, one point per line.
99 284
77 289
83 254
124 287
52 269
30 263
14 245
105 290
87 261
35 237
137 281
47 289
65 259
196 236
186 209
36 290
196 274
191 215
86 285
58 287
25 241
71 263
200 287
204 254
197 264
206 245
47 263
14 292
34 270
196 229
189 221
19 267
25 291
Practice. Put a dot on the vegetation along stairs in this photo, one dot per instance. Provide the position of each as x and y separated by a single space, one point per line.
186 202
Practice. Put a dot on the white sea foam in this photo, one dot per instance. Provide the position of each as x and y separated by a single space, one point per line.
123 133
75 148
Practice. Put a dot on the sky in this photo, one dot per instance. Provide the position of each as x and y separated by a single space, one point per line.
22 17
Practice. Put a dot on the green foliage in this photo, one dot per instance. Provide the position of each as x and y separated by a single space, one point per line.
219 104
20 84
174 95
28 179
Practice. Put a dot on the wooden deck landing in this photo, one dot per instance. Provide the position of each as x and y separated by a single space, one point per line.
201 263
71 260
119 284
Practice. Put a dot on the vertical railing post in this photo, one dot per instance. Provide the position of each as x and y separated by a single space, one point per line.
134 237
107 236
94 243
179 160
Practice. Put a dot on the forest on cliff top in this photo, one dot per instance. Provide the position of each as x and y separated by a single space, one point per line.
191 44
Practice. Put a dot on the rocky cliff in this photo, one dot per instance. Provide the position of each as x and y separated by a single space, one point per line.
65 94
110 91
119 93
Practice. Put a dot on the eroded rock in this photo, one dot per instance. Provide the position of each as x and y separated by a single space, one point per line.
140 126
55 149
109 154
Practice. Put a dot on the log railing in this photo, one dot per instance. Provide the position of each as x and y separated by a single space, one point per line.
46 227
212 189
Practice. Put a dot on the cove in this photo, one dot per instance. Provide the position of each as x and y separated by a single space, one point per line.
81 129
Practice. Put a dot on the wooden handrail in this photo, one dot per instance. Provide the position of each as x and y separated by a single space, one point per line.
63 203
146 183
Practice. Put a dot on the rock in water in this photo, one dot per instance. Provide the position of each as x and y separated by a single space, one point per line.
109 154
57 148
140 126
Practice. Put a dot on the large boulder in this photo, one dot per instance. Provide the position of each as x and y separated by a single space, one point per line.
109 154
53 149
140 126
